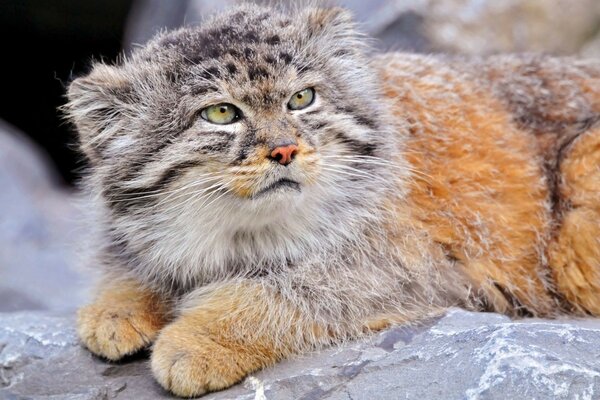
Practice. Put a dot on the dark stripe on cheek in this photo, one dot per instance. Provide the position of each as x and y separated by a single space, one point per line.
357 146
123 200
214 147
146 156
313 112
368 122
173 173
219 142
359 117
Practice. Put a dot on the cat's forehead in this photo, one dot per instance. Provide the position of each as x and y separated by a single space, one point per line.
250 50
234 33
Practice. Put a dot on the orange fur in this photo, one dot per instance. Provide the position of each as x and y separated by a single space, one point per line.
123 319
478 191
381 322
575 252
215 344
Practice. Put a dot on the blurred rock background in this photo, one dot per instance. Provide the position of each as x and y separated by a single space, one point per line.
38 228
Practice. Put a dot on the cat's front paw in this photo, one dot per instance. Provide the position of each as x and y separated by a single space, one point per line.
189 363
113 331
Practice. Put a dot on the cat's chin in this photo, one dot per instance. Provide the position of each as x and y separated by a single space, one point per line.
281 187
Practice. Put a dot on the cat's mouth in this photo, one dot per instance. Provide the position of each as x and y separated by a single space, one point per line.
279 185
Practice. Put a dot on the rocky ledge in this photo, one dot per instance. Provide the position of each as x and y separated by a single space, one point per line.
461 355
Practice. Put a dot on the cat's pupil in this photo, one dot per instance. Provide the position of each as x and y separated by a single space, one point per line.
223 110
299 96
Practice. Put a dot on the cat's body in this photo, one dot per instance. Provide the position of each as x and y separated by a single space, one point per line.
407 184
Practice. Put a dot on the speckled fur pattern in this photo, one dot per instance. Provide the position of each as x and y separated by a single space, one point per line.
423 182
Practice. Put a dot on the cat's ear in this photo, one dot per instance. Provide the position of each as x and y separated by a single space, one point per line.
334 19
97 104
333 27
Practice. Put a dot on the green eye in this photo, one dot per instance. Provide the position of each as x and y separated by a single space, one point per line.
302 99
221 114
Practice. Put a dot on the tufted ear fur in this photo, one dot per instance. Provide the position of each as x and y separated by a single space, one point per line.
97 103
325 18
335 21
335 29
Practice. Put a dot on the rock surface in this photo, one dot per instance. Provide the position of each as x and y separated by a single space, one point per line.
462 355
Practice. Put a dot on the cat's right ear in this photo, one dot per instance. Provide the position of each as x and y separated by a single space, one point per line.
97 104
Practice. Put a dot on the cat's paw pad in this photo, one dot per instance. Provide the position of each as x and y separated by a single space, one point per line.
190 365
115 333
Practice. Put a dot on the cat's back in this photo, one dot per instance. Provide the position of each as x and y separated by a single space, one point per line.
485 137
553 98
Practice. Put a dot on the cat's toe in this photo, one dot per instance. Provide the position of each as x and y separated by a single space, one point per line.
114 334
190 365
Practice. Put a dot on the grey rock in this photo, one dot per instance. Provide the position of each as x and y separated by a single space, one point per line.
40 358
38 225
461 355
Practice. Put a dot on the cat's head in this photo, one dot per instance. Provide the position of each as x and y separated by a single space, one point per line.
255 117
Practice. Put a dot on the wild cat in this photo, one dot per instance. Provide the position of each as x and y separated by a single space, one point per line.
266 185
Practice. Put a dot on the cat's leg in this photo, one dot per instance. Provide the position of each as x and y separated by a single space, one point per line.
123 318
224 334
235 329
575 252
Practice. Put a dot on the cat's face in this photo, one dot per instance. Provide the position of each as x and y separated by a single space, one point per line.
256 111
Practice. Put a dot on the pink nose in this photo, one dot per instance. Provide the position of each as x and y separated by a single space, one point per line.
284 154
